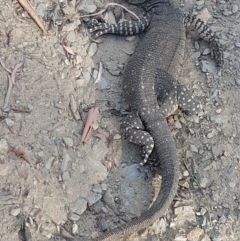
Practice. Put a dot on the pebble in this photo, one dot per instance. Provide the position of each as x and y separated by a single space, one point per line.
66 159
86 75
86 7
97 188
93 198
193 148
68 141
196 44
104 210
117 137
15 211
74 229
210 135
231 184
216 151
92 49
99 167
195 234
104 186
103 83
204 182
30 107
237 44
79 206
109 200
234 8
186 173
57 142
3 146
177 124
49 162
208 67
65 176
206 51
9 122
185 213
219 119
222 219
104 225
97 207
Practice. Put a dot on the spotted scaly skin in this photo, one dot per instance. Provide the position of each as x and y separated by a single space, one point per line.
152 91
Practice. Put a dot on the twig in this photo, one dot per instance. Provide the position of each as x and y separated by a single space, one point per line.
28 7
15 71
105 8
4 66
21 111
89 124
19 154
99 73
6 101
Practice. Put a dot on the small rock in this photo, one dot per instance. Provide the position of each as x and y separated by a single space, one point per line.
68 141
193 148
97 188
204 182
184 214
206 51
210 135
117 137
15 211
66 159
103 84
186 173
97 207
130 38
86 7
177 124
30 107
111 18
222 219
86 75
104 210
234 8
219 119
203 211
104 225
208 67
195 234
196 44
74 229
237 45
109 200
98 166
9 122
104 186
79 206
49 162
92 49
65 176
231 184
93 198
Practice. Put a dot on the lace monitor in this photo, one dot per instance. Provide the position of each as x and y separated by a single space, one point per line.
152 91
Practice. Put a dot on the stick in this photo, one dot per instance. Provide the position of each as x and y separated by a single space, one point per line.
28 7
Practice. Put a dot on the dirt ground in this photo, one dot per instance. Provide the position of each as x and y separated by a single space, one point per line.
56 188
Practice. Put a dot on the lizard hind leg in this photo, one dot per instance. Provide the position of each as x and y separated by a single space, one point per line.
133 130
178 97
187 102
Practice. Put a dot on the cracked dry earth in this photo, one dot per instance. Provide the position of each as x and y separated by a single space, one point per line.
55 188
